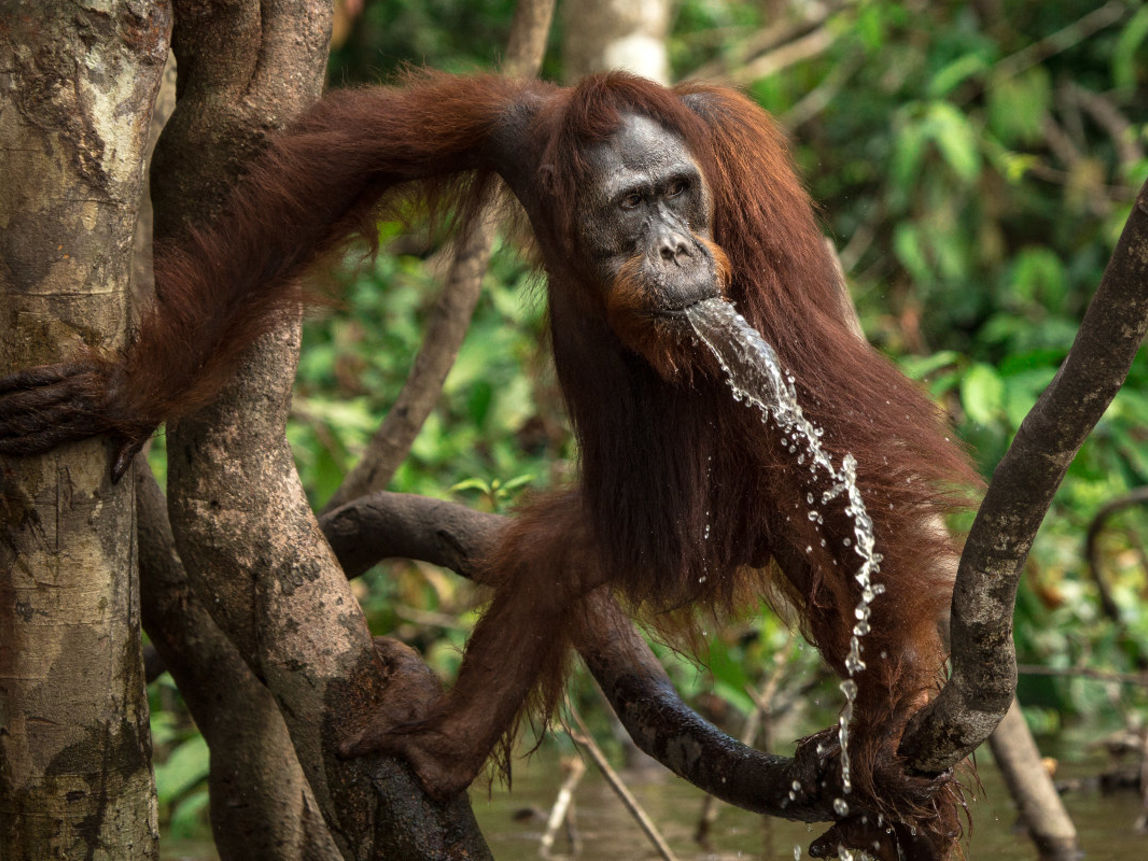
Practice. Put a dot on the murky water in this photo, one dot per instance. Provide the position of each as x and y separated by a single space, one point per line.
1104 822
607 832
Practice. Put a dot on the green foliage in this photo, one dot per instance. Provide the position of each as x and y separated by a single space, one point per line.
976 194
181 763
991 192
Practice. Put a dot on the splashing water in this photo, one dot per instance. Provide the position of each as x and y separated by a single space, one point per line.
756 378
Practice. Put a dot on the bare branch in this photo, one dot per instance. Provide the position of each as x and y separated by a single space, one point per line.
1109 117
633 680
810 45
1139 496
586 741
1041 810
1106 676
984 659
762 42
1062 39
261 803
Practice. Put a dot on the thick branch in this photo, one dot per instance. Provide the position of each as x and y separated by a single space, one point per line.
387 525
984 659
1139 496
261 804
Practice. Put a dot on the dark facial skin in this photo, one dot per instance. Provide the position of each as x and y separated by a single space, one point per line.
643 232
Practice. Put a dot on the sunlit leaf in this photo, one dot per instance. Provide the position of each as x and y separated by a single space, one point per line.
956 73
1127 58
982 394
184 768
956 140
1017 106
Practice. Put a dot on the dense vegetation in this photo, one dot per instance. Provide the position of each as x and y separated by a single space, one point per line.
975 162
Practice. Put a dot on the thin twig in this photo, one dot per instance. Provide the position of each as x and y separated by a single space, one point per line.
575 768
1109 117
790 54
820 97
760 42
1061 40
584 740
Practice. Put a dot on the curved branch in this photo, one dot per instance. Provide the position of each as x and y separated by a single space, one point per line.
1139 496
981 688
385 525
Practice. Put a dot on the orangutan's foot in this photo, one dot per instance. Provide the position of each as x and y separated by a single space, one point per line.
414 723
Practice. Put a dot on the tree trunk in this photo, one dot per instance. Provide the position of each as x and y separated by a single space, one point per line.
77 82
245 533
1041 810
614 34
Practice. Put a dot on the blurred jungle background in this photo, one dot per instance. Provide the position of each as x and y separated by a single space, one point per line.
974 163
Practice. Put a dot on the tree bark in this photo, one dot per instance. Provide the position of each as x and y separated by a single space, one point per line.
983 681
261 804
77 82
242 525
1031 787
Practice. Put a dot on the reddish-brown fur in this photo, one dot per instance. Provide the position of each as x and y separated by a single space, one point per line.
685 499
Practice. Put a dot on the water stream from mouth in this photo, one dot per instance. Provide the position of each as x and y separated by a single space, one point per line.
756 377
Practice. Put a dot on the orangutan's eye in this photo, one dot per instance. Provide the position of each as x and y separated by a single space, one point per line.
631 201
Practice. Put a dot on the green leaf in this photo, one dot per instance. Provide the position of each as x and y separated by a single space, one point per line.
955 73
189 816
910 252
956 140
187 766
919 367
1022 390
908 152
1125 63
1038 276
982 394
1017 105
471 484
518 481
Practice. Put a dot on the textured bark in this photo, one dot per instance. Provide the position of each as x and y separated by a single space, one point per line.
260 802
77 81
261 805
1042 812
242 525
